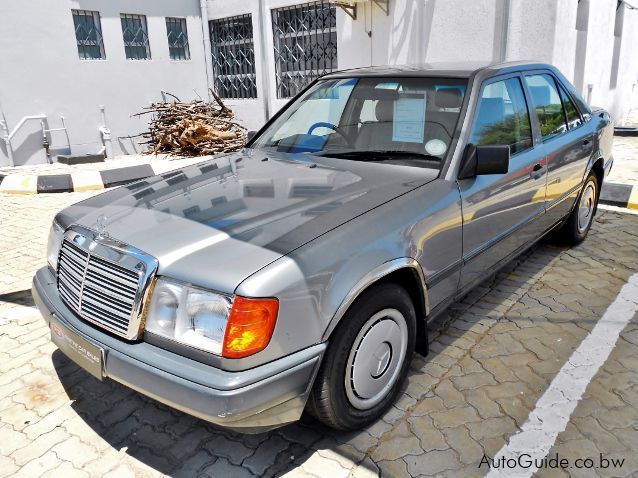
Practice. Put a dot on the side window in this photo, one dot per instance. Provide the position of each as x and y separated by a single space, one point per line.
581 103
503 117
547 104
573 117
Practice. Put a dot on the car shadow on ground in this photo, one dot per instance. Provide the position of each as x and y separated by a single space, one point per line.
176 444
535 259
20 297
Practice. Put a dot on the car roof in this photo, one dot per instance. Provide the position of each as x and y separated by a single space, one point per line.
461 69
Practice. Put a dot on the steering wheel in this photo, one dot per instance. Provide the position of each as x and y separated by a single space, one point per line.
323 124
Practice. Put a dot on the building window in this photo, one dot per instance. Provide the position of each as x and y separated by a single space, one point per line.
88 35
305 43
233 56
135 33
177 38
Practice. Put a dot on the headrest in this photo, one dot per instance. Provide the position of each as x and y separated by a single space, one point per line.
493 109
384 111
540 95
448 98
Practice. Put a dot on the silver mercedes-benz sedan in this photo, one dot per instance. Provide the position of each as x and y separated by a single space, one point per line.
301 273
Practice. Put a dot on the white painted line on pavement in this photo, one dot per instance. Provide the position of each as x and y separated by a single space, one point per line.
554 408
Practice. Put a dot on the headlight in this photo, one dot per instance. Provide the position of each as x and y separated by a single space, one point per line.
230 326
53 245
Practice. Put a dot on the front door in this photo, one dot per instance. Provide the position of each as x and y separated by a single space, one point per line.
567 141
500 211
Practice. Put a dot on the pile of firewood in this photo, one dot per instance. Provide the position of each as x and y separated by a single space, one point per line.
192 129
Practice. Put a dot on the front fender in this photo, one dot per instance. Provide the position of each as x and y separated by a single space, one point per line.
370 278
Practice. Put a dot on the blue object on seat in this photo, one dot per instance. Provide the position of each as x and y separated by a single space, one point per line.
301 143
540 95
492 110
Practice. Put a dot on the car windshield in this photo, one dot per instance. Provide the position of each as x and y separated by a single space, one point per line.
372 119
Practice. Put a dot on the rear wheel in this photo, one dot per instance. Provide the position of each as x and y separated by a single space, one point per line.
367 359
574 231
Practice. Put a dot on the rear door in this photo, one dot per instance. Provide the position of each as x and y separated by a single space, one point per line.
501 211
566 144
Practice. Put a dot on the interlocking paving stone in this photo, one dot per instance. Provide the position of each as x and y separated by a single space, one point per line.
432 463
402 442
430 437
468 449
492 356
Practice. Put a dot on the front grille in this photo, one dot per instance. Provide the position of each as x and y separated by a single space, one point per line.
99 290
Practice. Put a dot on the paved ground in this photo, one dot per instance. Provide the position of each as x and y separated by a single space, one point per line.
493 356
625 169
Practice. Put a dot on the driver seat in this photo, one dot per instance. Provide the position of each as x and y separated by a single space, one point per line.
377 134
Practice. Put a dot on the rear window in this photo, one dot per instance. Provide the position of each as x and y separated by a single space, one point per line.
573 117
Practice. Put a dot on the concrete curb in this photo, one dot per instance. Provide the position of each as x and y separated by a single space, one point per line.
626 131
621 195
74 182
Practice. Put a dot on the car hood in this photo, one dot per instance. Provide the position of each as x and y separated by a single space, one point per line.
215 223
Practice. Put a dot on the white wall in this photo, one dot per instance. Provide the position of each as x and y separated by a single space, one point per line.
615 95
40 70
461 30
42 73
378 37
576 37
354 45
535 40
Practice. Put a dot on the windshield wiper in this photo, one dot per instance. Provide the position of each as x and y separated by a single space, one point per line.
376 155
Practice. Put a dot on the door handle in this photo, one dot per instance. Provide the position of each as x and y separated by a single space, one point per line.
537 171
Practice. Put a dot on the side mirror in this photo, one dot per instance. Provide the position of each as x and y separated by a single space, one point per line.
485 159
250 135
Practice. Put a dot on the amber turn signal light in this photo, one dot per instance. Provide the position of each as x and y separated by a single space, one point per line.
250 326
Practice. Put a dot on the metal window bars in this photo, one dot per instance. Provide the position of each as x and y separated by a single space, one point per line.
233 56
88 35
305 44
177 38
135 33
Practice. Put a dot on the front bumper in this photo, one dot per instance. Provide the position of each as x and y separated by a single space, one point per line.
250 401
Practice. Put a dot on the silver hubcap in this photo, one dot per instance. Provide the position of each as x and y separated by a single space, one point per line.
586 207
375 359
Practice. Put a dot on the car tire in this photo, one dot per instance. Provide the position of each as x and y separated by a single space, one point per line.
367 359
579 221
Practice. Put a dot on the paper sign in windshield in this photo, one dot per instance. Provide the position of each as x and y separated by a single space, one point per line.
409 119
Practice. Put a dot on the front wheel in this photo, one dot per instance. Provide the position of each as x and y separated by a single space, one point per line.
367 359
574 231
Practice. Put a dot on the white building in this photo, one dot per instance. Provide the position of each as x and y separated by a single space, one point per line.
47 70
258 53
